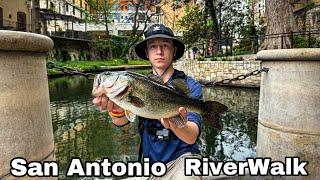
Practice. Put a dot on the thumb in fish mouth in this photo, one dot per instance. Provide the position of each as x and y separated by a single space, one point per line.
97 91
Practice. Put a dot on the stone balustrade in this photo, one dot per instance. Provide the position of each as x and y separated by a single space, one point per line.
219 70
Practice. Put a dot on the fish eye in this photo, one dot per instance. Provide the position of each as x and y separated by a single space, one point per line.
107 73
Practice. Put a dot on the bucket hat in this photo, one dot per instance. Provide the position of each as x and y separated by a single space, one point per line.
158 31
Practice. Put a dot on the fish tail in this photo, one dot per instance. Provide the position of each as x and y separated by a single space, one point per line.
211 113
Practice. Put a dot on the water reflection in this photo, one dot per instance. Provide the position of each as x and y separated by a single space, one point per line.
237 140
82 131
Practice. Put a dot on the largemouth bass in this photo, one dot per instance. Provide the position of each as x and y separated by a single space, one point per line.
149 98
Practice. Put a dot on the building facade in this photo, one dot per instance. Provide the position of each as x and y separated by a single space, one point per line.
123 16
15 15
306 14
65 18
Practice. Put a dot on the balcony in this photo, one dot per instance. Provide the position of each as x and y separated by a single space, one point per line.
72 35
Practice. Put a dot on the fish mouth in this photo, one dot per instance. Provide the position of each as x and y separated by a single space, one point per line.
123 92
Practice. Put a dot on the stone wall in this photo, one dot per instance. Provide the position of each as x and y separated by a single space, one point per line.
219 70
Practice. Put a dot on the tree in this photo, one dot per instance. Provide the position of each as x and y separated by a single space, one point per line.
103 16
211 10
216 22
140 17
193 24
279 18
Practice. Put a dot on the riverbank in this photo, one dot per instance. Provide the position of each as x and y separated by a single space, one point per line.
205 71
97 66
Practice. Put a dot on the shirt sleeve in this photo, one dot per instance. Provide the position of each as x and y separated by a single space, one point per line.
195 89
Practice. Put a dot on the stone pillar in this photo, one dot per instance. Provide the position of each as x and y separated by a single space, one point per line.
25 119
289 108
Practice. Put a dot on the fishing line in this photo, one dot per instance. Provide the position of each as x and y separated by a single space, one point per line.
164 72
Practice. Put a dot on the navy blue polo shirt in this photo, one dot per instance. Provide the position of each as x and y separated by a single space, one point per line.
167 150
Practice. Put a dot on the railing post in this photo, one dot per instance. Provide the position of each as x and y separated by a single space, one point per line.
231 47
282 40
291 39
309 39
256 44
25 118
288 122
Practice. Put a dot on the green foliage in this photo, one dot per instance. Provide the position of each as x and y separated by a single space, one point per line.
234 17
200 58
245 47
215 59
303 42
84 55
119 44
193 23
308 6
91 66
62 55
230 58
228 18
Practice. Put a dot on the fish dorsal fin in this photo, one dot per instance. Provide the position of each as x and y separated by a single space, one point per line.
155 78
134 100
180 86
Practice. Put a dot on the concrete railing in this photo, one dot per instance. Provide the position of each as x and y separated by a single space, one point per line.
289 117
219 70
25 118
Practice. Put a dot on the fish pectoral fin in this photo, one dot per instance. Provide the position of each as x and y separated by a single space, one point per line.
180 86
130 116
134 100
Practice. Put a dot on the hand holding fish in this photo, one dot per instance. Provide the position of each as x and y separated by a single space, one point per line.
177 121
185 130
103 102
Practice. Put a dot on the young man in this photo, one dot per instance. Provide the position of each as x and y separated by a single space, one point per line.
161 48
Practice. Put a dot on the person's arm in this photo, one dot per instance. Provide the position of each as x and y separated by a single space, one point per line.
119 121
191 130
188 133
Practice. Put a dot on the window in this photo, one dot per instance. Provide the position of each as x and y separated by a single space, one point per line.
51 5
158 8
21 21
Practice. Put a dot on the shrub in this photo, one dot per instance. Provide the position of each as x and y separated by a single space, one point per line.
201 58
303 42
